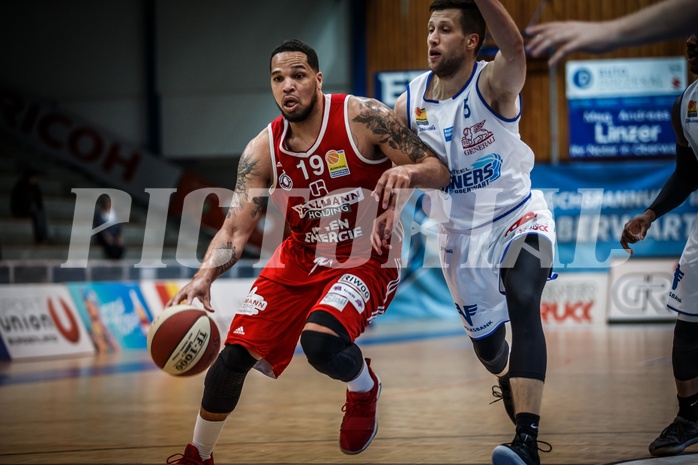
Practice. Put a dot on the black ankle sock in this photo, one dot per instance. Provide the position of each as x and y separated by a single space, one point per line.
527 423
688 407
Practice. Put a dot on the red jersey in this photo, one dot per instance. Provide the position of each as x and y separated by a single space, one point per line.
327 263
325 192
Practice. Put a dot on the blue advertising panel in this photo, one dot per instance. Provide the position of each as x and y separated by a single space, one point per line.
592 201
116 314
622 108
389 85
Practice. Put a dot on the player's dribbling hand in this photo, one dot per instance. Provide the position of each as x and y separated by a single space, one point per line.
635 230
196 289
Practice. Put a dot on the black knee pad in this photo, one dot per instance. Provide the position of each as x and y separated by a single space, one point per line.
326 319
225 378
331 355
684 354
493 351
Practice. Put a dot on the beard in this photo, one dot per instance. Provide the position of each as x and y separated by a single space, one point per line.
302 113
448 66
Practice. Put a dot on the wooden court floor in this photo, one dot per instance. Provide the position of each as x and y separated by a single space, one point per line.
609 392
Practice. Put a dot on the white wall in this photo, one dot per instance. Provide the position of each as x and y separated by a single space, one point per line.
212 63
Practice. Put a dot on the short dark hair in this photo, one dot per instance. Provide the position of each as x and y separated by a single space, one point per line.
295 45
471 20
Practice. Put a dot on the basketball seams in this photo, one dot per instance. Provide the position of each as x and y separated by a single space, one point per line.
165 333
172 340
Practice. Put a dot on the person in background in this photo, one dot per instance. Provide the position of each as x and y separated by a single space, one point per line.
683 297
496 235
110 237
26 201
321 162
665 20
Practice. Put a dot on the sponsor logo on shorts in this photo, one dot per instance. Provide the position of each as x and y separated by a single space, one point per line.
678 276
529 225
467 312
253 304
351 294
523 220
355 283
335 300
477 329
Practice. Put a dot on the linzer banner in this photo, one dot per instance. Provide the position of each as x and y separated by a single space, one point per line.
622 108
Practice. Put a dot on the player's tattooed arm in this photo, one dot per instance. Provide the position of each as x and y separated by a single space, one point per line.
247 171
380 120
224 256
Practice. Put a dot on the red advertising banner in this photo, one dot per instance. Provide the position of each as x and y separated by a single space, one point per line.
575 299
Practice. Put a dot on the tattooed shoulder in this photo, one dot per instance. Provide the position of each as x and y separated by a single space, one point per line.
380 120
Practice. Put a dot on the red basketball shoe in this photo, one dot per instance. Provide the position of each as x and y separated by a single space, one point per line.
360 424
190 457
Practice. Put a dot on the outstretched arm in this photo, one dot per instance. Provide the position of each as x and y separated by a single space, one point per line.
661 21
502 80
248 201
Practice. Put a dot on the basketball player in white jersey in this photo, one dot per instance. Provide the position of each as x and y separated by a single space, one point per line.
683 297
496 235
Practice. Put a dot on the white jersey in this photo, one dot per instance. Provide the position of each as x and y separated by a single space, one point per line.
689 115
684 291
490 166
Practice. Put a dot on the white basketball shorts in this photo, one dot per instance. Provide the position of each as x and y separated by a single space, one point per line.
683 296
471 262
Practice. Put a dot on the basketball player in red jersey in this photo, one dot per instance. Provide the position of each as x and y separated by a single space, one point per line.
320 162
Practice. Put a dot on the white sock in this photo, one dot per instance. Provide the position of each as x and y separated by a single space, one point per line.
363 382
206 435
